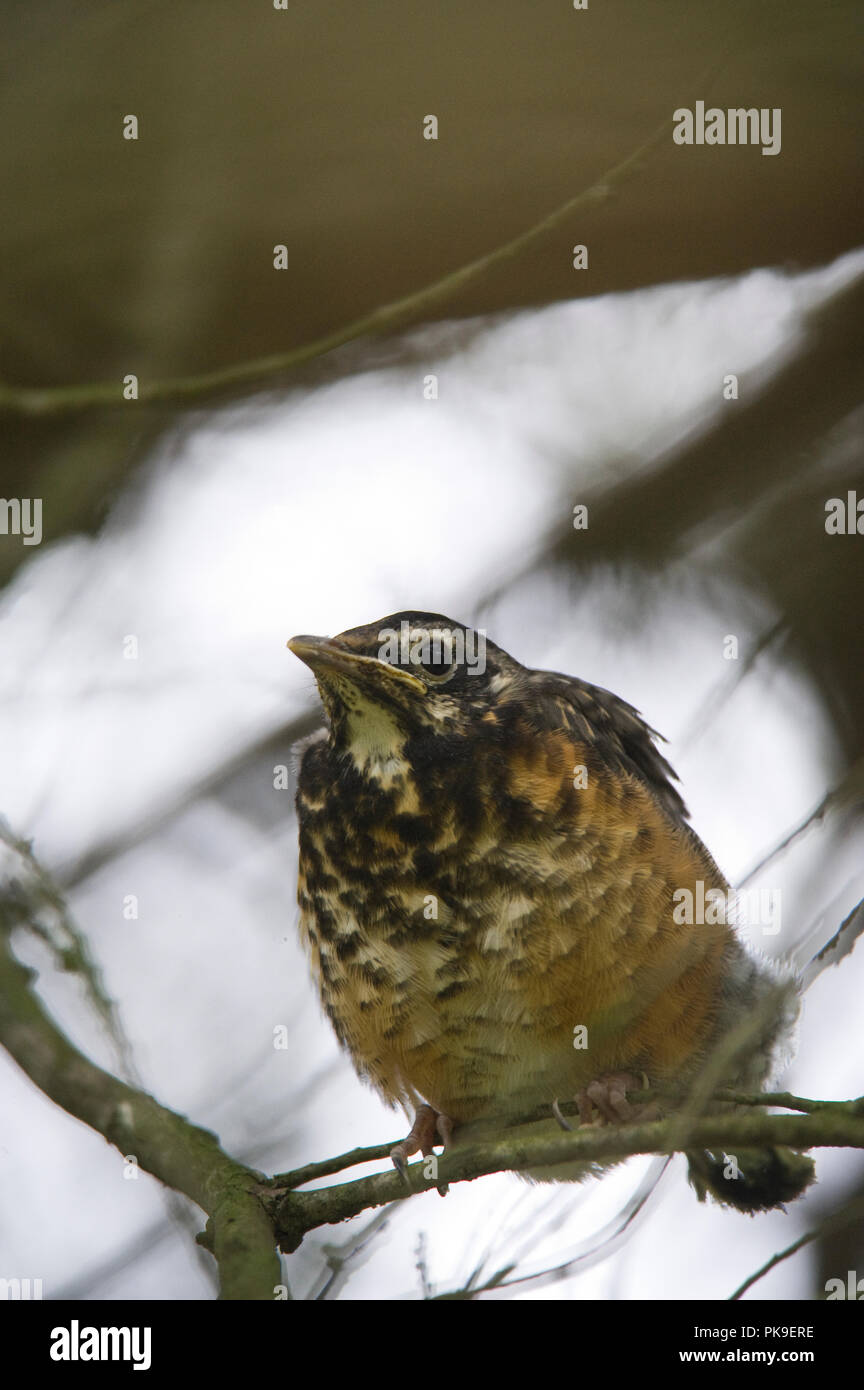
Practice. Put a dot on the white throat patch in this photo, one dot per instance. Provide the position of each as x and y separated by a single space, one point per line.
376 743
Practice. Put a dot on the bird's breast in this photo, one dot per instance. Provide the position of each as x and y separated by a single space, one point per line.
497 963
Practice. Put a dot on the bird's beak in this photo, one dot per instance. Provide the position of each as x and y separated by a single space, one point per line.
325 654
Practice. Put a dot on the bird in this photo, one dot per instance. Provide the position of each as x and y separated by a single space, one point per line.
493 880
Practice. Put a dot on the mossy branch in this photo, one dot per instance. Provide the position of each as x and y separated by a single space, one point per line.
831 1125
178 1153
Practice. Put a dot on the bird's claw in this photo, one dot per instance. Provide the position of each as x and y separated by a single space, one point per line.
428 1128
556 1111
608 1095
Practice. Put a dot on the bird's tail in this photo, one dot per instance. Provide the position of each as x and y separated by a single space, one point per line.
751 1180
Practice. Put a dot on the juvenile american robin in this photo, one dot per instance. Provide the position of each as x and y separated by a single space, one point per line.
492 862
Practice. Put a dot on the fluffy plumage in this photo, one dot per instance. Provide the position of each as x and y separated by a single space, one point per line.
487 863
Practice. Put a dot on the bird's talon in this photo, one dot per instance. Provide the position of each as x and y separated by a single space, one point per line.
562 1121
608 1095
444 1126
398 1159
429 1126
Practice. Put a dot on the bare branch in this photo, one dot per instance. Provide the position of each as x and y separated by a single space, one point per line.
833 1125
163 1143
835 1222
41 401
848 792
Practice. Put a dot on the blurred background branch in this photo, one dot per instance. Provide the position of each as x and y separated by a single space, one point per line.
145 256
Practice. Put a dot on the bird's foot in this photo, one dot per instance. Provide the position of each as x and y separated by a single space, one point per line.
608 1096
429 1128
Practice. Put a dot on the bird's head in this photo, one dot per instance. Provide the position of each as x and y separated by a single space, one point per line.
406 674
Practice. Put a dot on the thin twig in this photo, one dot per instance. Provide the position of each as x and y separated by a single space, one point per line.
835 1222
386 318
848 791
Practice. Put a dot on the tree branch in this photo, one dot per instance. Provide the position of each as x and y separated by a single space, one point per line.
164 1143
835 1222
387 318
834 1125
242 1204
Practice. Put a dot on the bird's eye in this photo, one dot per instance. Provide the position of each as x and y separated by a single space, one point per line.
436 671
433 654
